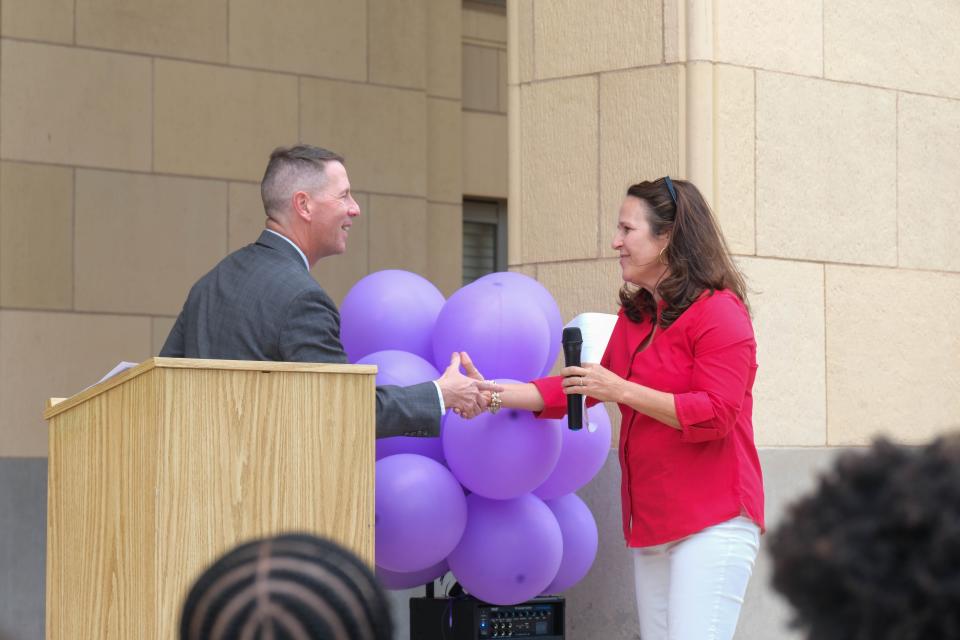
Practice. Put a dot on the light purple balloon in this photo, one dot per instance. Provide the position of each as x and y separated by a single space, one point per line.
390 310
582 455
429 447
539 294
501 456
579 531
400 367
404 369
503 330
397 581
511 549
421 512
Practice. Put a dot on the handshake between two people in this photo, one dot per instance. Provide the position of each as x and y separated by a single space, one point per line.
468 395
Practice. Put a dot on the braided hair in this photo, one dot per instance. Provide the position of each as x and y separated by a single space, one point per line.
289 587
874 552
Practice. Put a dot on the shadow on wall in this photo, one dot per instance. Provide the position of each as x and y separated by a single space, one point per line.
23 539
603 605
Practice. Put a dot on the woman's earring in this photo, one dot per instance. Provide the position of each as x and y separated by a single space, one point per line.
660 256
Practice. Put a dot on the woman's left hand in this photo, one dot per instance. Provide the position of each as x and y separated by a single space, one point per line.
593 380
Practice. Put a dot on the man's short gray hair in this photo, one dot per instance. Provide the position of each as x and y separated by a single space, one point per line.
292 169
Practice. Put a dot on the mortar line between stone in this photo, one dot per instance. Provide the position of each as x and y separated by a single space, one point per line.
826 369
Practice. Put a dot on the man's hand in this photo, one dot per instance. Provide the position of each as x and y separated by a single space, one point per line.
468 395
486 388
469 367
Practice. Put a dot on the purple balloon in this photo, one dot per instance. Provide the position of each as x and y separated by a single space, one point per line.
421 512
579 531
501 456
503 330
400 367
430 447
510 551
582 455
390 310
397 581
404 369
539 294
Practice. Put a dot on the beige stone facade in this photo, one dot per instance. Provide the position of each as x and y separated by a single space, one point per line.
825 136
133 135
829 157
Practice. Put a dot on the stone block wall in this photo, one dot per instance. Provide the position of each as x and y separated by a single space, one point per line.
825 135
133 135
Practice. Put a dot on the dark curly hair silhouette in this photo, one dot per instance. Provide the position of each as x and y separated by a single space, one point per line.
874 552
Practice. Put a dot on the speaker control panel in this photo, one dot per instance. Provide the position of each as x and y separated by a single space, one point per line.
463 617
520 621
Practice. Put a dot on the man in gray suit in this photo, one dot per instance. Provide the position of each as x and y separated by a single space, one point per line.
261 303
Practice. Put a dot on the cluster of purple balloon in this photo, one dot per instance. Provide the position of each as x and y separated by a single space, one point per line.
492 499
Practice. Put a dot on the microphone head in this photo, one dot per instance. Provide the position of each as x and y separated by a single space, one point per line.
572 335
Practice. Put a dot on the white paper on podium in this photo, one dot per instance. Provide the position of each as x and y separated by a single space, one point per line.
120 368
595 329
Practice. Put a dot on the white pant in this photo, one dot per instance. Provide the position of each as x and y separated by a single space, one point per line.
692 589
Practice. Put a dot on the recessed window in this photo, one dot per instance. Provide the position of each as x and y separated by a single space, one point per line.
492 3
484 238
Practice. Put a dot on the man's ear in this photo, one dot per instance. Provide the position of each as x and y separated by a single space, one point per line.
299 203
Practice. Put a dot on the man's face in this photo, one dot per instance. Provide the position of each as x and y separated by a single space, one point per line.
333 209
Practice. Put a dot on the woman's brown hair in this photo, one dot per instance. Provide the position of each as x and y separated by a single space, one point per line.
696 253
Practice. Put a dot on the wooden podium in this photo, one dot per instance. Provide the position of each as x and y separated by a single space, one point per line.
156 472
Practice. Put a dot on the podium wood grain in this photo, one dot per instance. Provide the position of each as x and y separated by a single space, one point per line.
153 476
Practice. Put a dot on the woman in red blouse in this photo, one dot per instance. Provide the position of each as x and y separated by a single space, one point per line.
680 364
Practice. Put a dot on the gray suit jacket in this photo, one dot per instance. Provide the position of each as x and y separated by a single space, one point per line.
261 303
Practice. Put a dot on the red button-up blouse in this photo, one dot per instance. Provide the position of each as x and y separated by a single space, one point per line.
676 482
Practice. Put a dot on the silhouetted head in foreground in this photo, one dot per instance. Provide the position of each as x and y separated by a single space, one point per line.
290 587
874 552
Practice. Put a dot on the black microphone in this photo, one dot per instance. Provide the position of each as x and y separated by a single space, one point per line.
572 339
